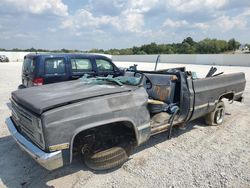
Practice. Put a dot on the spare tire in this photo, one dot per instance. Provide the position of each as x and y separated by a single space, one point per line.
106 159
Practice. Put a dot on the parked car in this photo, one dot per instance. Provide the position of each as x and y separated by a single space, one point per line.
105 118
4 58
40 69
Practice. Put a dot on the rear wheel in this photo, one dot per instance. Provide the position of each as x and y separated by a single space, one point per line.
216 117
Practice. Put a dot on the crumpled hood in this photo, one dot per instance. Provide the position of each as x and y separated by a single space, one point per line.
42 98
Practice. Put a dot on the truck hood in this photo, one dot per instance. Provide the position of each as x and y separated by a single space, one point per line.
43 98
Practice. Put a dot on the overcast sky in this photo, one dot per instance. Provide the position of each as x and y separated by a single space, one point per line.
87 24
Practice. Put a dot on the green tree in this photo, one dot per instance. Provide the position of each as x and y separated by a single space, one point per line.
189 40
135 50
186 48
233 44
94 50
213 46
65 50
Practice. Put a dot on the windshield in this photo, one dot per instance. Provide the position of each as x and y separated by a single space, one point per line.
120 80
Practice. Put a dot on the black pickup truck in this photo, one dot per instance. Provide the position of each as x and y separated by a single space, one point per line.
47 68
104 118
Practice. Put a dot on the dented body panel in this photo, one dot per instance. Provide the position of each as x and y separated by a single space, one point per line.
74 118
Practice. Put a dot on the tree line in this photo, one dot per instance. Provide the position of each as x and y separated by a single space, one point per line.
187 46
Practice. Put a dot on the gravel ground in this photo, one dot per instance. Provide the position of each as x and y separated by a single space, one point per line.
199 156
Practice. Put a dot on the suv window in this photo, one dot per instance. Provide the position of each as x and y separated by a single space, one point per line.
81 65
104 65
28 65
55 66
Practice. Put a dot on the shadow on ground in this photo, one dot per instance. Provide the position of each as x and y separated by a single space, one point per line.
20 170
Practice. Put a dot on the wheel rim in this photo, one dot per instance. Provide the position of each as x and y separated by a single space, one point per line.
219 116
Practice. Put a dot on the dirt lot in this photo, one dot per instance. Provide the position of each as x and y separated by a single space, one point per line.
199 156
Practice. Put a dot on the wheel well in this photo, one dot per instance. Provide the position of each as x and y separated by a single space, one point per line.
229 96
111 132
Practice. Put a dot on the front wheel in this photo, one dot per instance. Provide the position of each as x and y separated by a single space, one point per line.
106 159
216 117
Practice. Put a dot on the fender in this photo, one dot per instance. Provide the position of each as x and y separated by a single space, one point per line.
138 130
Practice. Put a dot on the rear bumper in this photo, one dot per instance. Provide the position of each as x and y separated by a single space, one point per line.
50 161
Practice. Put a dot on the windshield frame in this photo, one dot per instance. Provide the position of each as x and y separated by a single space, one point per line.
110 79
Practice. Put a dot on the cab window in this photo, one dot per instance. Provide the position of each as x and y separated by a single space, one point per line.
28 65
55 66
104 65
80 65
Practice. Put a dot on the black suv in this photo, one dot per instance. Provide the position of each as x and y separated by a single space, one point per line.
40 69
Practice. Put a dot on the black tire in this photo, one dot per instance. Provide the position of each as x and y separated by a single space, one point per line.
216 117
106 159
21 86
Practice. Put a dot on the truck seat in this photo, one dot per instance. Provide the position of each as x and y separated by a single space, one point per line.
162 87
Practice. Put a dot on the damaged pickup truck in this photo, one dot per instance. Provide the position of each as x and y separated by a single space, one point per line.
105 118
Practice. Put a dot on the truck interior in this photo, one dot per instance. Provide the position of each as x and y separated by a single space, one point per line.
163 88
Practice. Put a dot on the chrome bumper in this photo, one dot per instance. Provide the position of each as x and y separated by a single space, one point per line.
50 161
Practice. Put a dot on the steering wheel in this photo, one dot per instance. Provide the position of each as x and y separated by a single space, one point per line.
138 74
